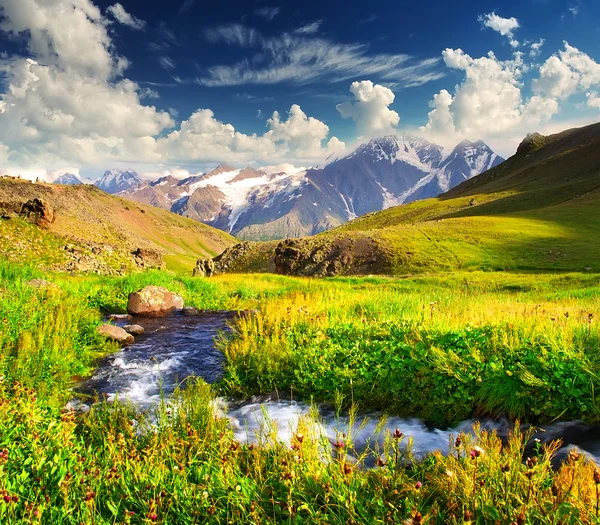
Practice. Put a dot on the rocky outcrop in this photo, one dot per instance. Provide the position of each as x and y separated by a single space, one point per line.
134 329
146 258
39 212
154 301
114 333
531 143
204 268
344 255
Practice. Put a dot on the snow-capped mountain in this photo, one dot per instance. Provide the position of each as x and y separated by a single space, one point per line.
382 173
116 181
69 179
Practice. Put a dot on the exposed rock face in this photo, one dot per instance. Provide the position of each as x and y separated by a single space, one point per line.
328 258
114 333
532 142
39 212
134 329
154 301
146 258
204 268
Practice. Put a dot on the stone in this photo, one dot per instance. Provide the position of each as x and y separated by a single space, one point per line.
147 258
204 268
120 317
191 311
114 333
154 301
39 212
134 329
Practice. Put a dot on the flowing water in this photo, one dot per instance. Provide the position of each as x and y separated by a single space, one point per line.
174 348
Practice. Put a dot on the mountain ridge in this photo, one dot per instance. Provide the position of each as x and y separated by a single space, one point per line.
255 205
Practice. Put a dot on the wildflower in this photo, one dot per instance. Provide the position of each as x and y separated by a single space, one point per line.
205 495
531 462
380 462
338 444
573 455
449 473
418 485
457 442
397 434
347 469
597 476
418 518
300 438
477 452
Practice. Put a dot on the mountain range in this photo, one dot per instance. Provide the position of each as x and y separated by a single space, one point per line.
537 211
254 205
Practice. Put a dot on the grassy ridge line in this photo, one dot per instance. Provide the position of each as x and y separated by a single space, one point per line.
85 214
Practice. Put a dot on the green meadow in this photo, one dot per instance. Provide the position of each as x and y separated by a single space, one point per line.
438 347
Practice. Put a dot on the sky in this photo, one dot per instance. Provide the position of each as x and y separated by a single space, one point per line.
177 87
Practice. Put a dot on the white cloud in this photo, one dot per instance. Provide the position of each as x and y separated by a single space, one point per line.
574 10
309 29
441 119
168 64
76 109
186 6
536 48
125 18
268 13
85 48
505 26
566 73
203 137
593 100
370 109
490 104
305 58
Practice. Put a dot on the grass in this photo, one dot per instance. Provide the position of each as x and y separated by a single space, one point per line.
440 347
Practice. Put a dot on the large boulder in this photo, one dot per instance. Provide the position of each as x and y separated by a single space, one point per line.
204 268
114 333
154 301
39 212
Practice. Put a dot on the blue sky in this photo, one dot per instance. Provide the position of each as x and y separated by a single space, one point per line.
154 65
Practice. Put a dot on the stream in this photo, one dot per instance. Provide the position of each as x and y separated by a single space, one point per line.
174 348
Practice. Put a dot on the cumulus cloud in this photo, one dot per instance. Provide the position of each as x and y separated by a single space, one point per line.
203 137
593 100
536 48
70 105
370 109
490 103
505 26
567 72
125 18
304 58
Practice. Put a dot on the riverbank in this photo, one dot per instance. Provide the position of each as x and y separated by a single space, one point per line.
527 342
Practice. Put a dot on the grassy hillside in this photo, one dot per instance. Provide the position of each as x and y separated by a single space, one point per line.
539 210
94 231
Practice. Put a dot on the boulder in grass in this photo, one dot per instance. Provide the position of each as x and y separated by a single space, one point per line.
134 329
154 301
191 311
114 333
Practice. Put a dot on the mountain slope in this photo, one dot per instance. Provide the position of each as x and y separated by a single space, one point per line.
94 231
539 210
253 205
67 179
